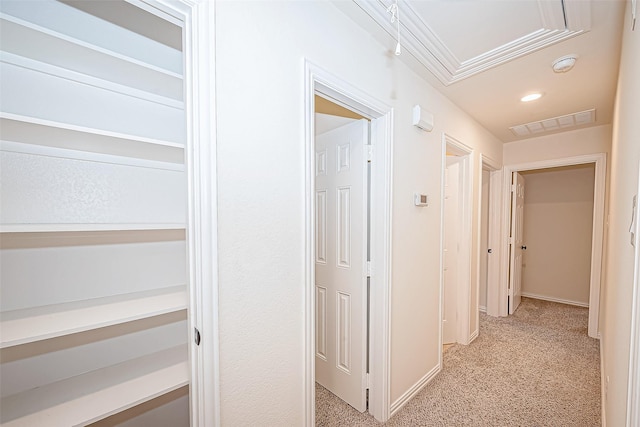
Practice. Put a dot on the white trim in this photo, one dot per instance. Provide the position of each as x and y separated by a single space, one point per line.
334 88
493 237
414 389
493 227
603 388
86 227
599 159
553 299
202 238
423 43
475 333
465 307
633 393
443 166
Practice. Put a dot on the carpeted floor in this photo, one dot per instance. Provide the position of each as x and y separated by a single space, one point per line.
535 368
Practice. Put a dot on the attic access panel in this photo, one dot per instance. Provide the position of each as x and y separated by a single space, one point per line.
436 32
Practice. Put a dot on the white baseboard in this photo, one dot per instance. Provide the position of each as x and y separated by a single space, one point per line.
482 309
553 299
474 335
415 389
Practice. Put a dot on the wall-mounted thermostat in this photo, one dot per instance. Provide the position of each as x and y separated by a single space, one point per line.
421 199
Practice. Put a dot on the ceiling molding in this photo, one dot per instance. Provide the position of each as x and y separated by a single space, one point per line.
421 41
578 13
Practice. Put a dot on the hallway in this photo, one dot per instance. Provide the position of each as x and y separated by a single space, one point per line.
535 368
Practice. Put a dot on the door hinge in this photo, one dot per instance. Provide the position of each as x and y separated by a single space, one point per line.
367 381
369 153
368 268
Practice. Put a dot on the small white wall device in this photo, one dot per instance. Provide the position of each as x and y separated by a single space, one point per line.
421 199
422 119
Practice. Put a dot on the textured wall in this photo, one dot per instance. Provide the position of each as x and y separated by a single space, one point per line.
260 51
625 155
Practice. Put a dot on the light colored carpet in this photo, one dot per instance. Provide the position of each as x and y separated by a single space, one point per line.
535 368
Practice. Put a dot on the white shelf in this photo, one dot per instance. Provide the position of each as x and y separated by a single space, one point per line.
54 228
40 132
41 44
98 394
82 28
40 323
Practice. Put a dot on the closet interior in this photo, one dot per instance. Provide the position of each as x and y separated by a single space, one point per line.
93 255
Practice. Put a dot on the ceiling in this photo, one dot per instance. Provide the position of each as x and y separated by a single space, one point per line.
485 55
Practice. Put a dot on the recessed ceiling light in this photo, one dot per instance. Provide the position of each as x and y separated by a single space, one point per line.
531 97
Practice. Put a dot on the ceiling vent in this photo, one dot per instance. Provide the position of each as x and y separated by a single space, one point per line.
553 124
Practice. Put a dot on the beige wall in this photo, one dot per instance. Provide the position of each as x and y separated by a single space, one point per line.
558 225
567 144
261 199
625 155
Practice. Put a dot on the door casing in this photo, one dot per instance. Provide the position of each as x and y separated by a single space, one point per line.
196 17
493 233
320 81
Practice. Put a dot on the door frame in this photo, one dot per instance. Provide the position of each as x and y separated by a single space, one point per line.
493 233
597 236
318 80
633 392
196 17
463 293
202 219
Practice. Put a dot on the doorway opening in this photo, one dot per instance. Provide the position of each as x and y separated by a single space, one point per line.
596 230
456 290
488 245
321 86
342 282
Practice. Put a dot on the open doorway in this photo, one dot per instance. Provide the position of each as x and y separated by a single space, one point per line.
456 292
489 226
342 175
597 230
558 225
375 307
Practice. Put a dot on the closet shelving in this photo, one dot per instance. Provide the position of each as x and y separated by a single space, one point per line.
40 323
61 42
92 134
46 133
95 395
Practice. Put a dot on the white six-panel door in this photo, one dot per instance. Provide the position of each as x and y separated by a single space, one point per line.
517 242
341 258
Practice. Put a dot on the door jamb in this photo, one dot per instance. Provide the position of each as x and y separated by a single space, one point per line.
342 93
599 159
196 17
633 393
633 389
493 237
463 293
